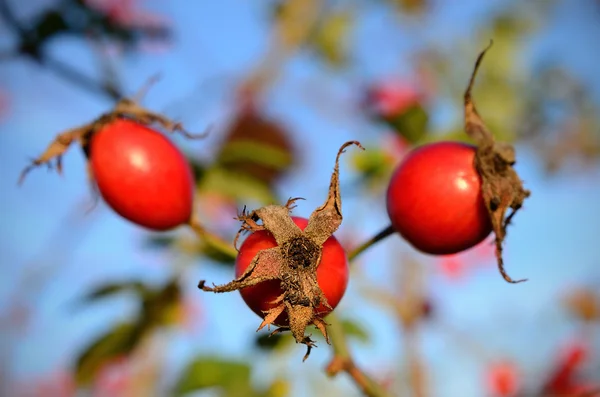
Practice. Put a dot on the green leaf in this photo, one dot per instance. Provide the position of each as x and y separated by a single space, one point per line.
331 38
119 341
159 242
372 164
411 123
253 151
161 307
216 255
110 289
279 388
231 377
265 342
198 169
241 188
354 330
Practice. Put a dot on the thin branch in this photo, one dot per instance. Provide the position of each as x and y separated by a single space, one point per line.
10 18
8 54
388 231
59 68
74 76
294 27
342 361
416 368
213 240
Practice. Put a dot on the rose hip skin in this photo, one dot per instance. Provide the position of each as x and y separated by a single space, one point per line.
142 175
332 273
434 199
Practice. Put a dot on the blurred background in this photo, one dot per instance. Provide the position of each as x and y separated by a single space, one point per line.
283 84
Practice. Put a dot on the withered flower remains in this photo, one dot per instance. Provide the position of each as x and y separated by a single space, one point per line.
501 186
293 261
125 108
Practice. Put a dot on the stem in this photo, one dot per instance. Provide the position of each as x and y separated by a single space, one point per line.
213 240
388 231
76 77
415 363
342 361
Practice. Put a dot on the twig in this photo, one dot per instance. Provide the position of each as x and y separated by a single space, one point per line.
51 64
410 278
291 32
213 240
415 363
10 18
80 79
342 361
388 231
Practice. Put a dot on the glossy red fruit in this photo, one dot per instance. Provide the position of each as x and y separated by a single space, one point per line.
434 199
332 273
142 175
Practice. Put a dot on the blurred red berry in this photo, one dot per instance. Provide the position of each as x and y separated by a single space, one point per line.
56 384
113 379
563 378
452 267
391 98
456 266
503 379
126 13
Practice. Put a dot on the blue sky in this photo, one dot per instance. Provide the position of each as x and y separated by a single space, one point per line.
553 241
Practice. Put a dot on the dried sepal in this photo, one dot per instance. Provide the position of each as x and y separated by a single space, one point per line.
264 266
130 109
55 150
125 108
326 219
502 189
293 261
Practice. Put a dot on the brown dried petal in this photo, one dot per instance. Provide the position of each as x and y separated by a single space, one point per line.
326 219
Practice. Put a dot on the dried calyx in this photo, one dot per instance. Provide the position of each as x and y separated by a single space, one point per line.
293 261
125 108
501 186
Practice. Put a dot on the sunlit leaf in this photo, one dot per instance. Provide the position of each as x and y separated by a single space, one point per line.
331 38
256 146
119 341
159 242
198 169
354 330
241 188
411 124
266 342
216 255
232 378
162 307
279 388
111 289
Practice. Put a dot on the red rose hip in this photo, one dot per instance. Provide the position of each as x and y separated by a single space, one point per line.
332 273
142 175
434 199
